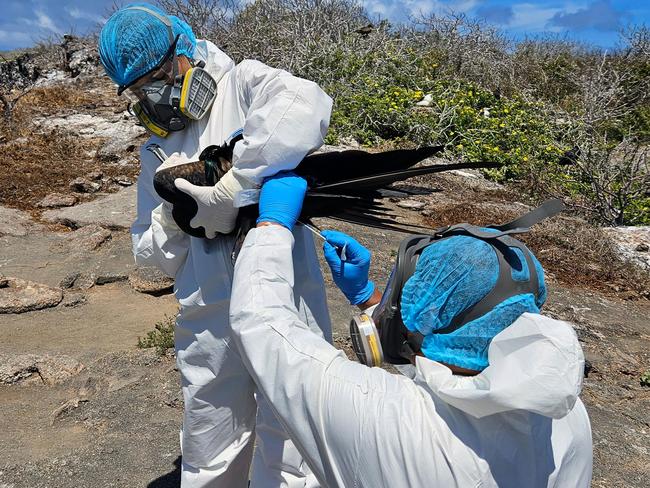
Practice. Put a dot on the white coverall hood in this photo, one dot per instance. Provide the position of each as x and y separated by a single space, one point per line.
217 63
536 364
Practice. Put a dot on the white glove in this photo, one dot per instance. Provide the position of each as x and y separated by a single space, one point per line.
216 212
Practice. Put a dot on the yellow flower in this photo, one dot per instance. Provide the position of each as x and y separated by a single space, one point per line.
502 124
525 158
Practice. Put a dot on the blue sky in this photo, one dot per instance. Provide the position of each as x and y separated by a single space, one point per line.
23 22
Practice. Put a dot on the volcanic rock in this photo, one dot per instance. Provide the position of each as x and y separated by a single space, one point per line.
20 296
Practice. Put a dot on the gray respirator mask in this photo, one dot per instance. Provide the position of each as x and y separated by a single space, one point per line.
167 105
383 337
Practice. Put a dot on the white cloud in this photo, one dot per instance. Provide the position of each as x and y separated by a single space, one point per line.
79 14
42 20
402 8
13 37
535 17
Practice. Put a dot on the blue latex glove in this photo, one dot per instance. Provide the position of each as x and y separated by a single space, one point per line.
349 274
281 199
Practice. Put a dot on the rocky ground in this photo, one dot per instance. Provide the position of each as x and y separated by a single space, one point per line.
82 405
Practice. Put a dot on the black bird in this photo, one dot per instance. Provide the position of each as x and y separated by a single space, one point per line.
365 31
343 185
569 157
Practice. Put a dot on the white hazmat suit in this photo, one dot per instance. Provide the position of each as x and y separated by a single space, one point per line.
283 118
518 424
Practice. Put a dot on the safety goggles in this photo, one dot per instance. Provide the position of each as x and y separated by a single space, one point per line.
155 79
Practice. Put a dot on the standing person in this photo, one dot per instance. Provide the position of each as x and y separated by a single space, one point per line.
189 95
489 397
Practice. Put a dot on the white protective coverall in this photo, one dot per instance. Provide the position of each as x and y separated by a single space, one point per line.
283 119
518 424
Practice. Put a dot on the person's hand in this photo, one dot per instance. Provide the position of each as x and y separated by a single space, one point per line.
215 210
281 199
351 272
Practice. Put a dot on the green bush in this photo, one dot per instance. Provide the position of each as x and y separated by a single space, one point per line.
162 337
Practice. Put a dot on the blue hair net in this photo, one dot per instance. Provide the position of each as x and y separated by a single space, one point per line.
452 275
133 42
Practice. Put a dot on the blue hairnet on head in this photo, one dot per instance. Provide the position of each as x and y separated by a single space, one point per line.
133 42
452 275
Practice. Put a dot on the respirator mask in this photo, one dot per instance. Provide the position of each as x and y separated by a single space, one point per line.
167 100
382 336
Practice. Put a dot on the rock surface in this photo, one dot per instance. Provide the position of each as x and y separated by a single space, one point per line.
32 368
55 200
114 211
633 243
411 204
13 222
84 185
19 296
117 128
87 238
150 280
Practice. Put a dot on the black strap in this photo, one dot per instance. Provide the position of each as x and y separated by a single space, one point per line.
505 287
547 209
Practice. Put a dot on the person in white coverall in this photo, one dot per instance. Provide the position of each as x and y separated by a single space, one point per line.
502 409
283 118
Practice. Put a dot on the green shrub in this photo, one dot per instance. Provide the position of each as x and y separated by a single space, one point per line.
162 337
645 379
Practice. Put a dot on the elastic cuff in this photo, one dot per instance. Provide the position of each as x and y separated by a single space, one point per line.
364 295
269 218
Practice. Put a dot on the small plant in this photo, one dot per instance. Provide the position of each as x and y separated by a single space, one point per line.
645 379
162 337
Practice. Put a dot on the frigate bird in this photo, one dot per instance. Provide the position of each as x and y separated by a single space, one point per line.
343 185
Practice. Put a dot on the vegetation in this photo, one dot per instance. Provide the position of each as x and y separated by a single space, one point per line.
162 337
562 118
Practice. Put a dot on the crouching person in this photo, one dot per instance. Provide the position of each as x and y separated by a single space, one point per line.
490 391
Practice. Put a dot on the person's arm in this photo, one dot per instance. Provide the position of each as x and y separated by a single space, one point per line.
286 118
311 387
156 239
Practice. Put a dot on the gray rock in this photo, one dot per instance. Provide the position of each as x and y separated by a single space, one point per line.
632 244
68 281
13 222
20 72
85 281
73 299
150 280
115 148
24 296
78 280
32 368
106 278
411 204
113 211
81 55
95 175
123 180
55 200
84 185
87 238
